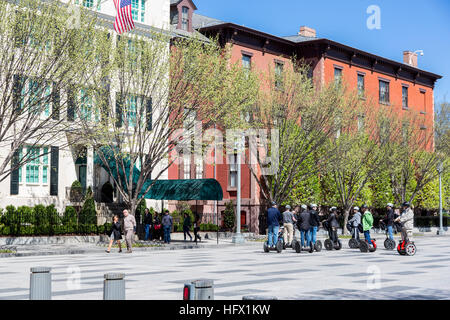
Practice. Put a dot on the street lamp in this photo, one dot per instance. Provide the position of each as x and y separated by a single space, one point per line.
440 169
238 237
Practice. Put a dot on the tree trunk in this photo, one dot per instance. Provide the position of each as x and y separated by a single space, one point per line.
346 215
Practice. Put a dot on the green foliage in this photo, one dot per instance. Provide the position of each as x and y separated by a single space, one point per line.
229 216
40 215
88 214
70 216
209 227
76 192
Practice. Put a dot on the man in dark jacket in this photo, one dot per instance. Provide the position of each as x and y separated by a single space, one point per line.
167 223
273 223
389 220
148 221
304 226
314 221
333 224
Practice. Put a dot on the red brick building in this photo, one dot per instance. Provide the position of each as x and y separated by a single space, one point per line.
399 85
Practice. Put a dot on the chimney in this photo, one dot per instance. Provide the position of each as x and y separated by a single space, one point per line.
307 32
410 58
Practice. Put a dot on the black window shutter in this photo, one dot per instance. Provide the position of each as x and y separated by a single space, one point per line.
149 114
56 100
70 105
119 108
54 168
18 83
14 177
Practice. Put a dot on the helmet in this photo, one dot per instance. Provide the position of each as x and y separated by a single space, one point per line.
364 206
304 207
356 208
333 209
406 204
390 205
288 207
273 203
313 205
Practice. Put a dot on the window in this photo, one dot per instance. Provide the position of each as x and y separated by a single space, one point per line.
405 97
337 75
187 167
37 167
424 101
138 10
36 97
233 170
185 18
361 85
85 105
384 92
199 168
88 3
246 62
279 74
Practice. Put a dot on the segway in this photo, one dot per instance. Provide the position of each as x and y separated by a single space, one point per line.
407 248
329 245
389 244
279 247
297 246
353 243
364 246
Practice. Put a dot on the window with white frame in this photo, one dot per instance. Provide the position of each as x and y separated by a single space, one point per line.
36 97
198 167
233 170
36 167
185 18
187 167
138 10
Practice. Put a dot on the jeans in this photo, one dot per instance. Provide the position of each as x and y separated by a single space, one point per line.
355 233
367 236
186 232
273 235
313 234
305 234
391 235
167 233
148 232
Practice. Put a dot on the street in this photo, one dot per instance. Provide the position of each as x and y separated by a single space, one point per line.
244 270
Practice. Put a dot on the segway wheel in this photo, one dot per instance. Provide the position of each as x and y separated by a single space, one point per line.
389 244
410 249
311 247
363 246
374 246
279 246
297 247
318 246
338 245
294 243
353 243
266 247
328 244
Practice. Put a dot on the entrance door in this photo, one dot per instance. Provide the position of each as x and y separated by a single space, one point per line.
82 176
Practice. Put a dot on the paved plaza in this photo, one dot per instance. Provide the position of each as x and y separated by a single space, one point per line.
244 270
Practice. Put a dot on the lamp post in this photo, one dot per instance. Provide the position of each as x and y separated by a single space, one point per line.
238 237
440 169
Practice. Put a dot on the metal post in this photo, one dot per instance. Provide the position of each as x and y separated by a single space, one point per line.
204 289
40 283
238 237
114 286
441 227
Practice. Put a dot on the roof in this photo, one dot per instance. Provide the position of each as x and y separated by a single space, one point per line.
298 38
175 2
200 21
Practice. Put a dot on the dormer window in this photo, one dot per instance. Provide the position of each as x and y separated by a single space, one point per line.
185 18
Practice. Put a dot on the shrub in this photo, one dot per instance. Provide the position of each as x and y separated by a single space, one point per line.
6 231
229 216
52 215
10 217
76 192
88 215
70 216
26 214
40 215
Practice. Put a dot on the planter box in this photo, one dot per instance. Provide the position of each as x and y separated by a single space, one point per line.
52 240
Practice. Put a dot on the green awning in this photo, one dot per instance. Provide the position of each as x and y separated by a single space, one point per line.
184 190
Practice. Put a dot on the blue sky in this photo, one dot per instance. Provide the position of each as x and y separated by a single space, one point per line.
405 25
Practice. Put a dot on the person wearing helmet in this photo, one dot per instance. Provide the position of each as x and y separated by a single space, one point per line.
297 212
407 221
367 222
314 221
304 226
333 224
288 223
389 220
355 221
273 223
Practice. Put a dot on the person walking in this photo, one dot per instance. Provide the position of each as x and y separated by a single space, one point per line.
333 225
367 222
389 220
197 228
167 223
186 226
148 221
304 226
273 223
314 222
288 223
157 228
115 234
355 221
129 225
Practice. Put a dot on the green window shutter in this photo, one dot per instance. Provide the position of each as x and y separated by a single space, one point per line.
56 100
119 110
148 114
54 169
14 177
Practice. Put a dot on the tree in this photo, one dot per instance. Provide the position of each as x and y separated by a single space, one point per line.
88 214
229 216
299 119
159 94
40 55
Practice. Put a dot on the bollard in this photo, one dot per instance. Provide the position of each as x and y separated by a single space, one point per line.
114 286
40 283
259 298
199 290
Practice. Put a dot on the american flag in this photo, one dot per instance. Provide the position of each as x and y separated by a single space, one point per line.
124 20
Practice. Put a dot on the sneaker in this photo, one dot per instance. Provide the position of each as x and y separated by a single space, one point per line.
107 251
